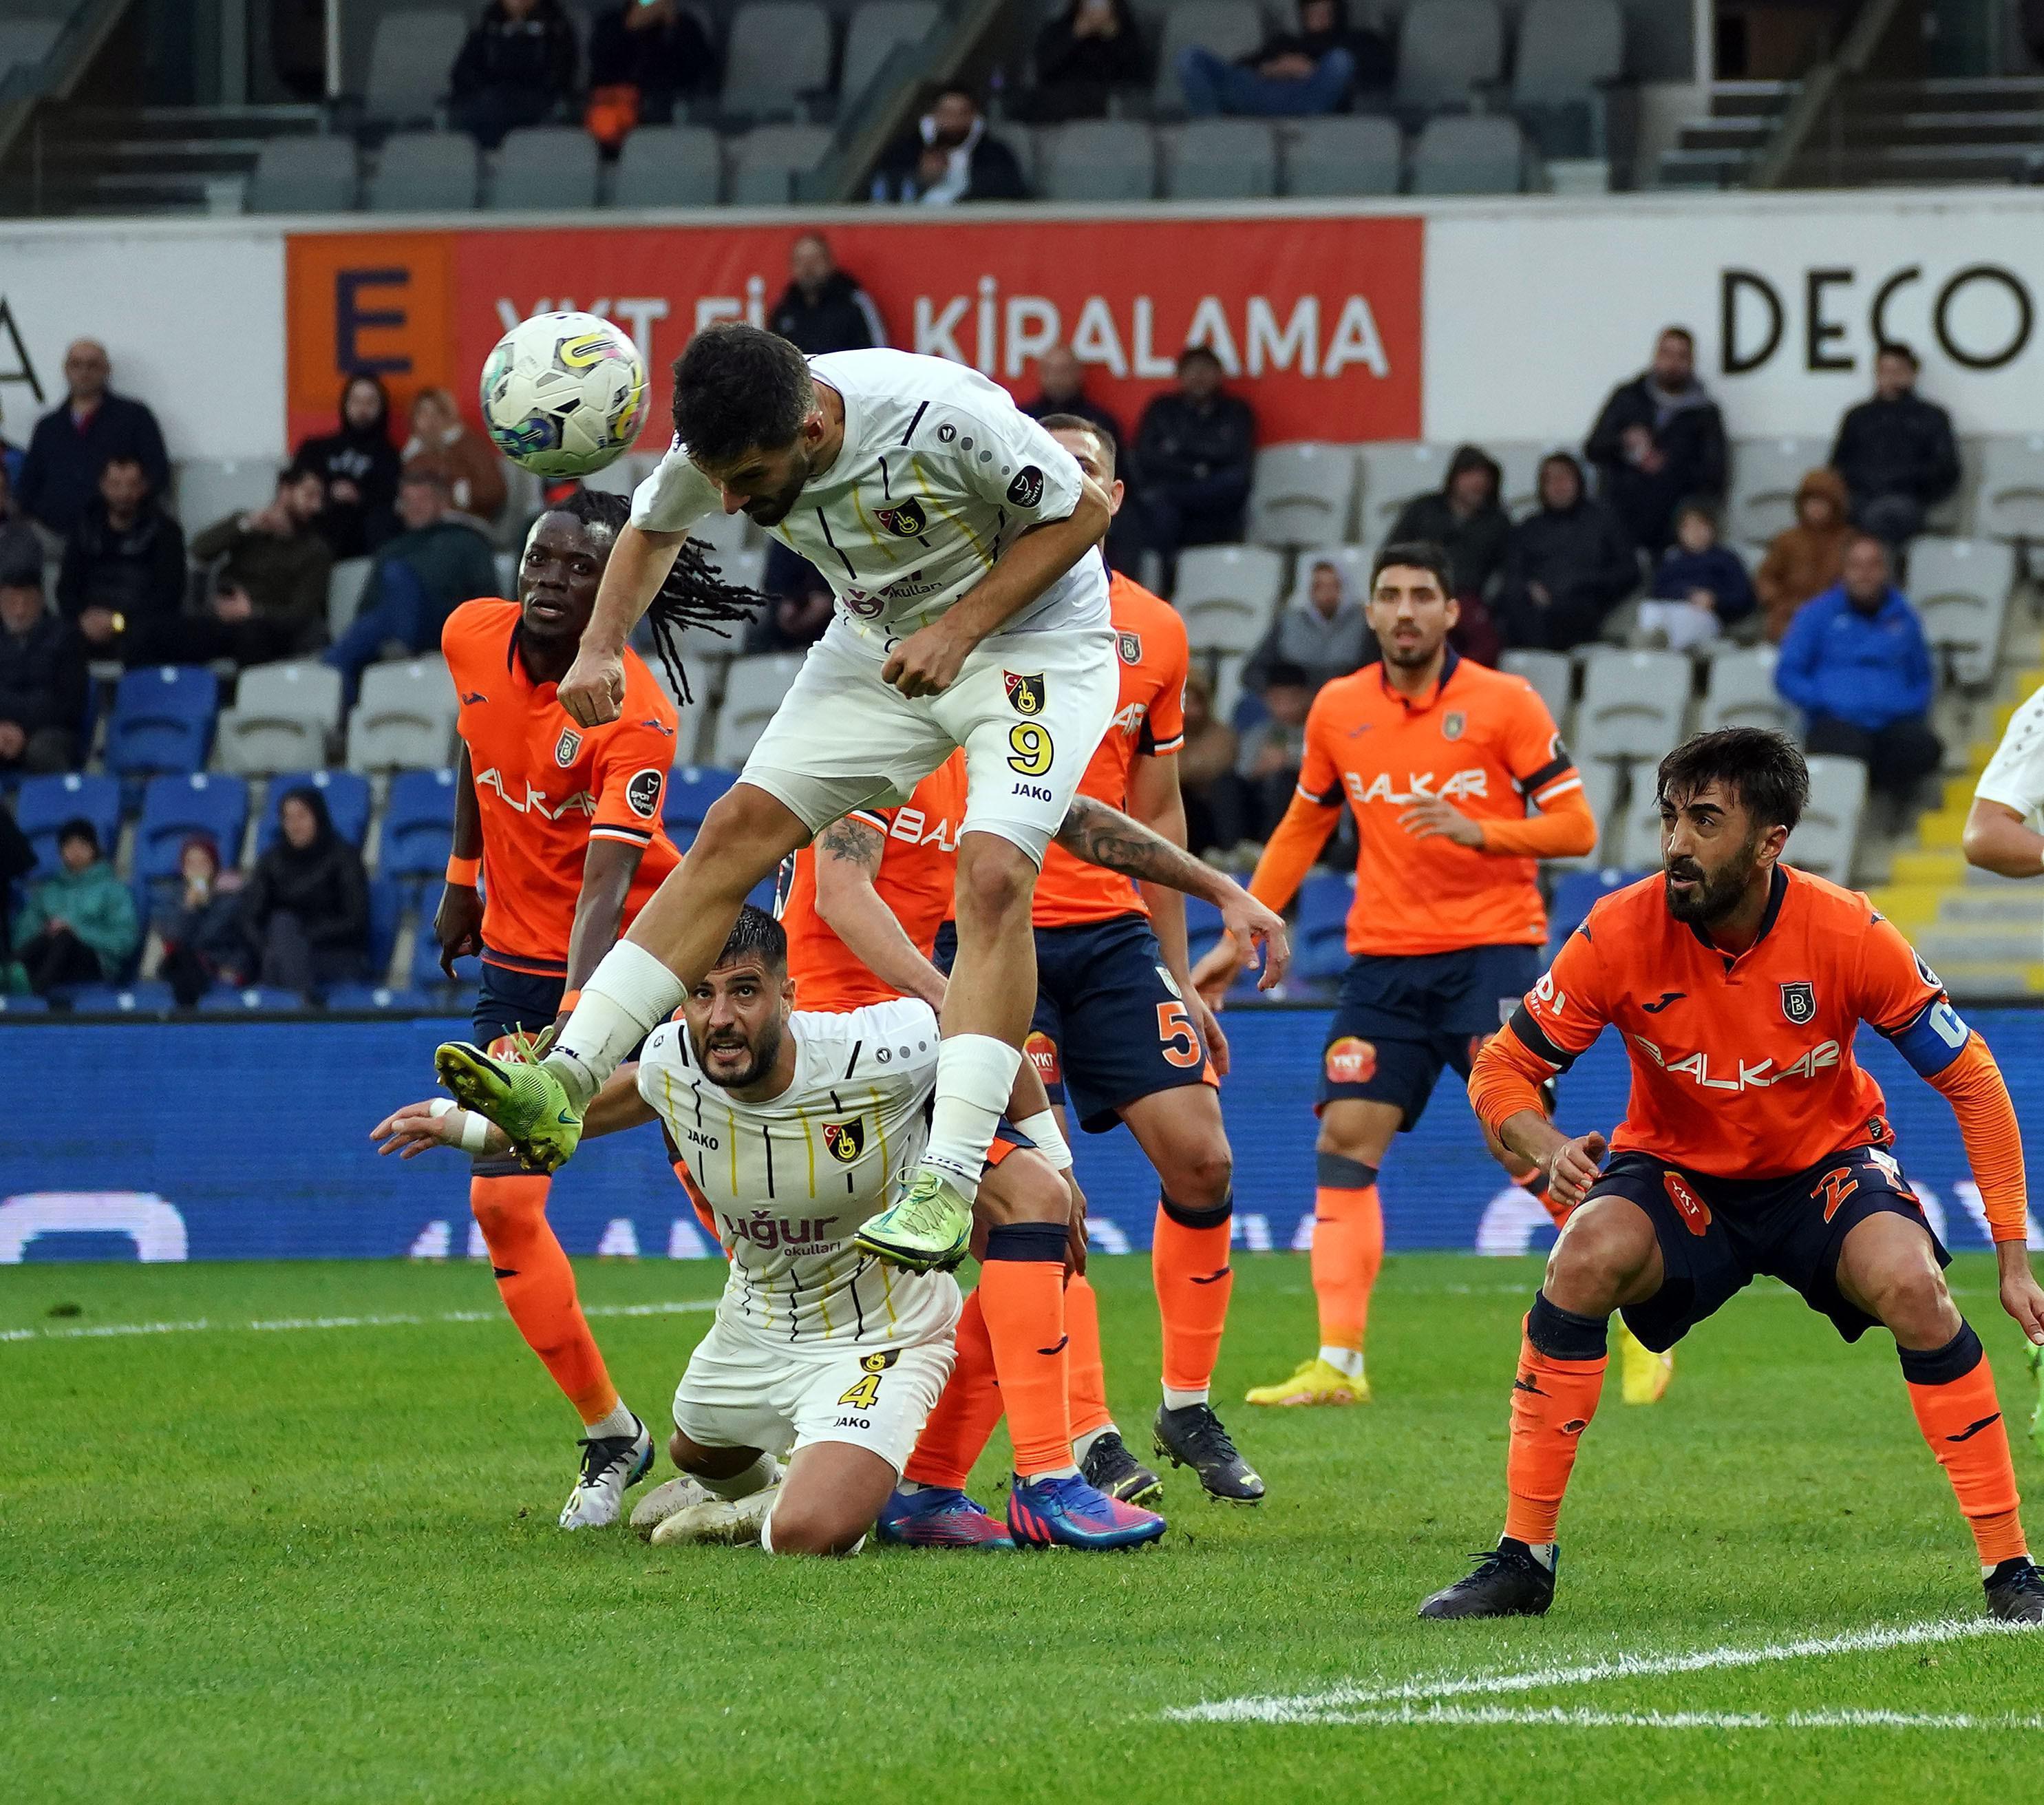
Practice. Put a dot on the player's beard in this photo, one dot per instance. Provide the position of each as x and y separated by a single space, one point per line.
765 1047
1410 657
1717 893
770 510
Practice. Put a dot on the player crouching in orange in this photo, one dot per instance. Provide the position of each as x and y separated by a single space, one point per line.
1753 1143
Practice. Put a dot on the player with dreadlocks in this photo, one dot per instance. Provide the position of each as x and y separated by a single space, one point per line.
562 823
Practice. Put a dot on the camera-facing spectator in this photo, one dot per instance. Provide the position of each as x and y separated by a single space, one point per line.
643 55
1217 803
1659 440
1896 451
950 156
515 68
468 462
268 597
1465 518
1272 750
73 444
197 915
822 309
1700 587
1323 634
1090 49
1856 663
122 581
1569 564
359 465
1195 448
305 909
1805 559
1291 75
42 680
78 925
1061 389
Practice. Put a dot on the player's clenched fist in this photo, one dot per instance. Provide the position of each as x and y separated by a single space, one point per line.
926 663
592 692
1572 1169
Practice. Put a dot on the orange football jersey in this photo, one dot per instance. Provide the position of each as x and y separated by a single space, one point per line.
918 870
1482 740
1742 1066
546 786
1151 644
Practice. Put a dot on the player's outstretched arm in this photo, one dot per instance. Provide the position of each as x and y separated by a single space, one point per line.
1997 839
592 692
440 1122
847 854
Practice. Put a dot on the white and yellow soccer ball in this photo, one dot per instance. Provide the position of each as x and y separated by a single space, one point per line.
564 394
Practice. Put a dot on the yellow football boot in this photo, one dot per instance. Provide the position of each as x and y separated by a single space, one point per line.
1314 1382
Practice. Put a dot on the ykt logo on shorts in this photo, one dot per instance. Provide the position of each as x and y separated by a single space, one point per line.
1043 1053
1695 1212
1351 1061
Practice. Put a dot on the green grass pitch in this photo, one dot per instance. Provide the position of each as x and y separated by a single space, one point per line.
320 1564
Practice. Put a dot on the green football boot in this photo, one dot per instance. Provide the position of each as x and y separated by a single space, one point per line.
928 1229
524 1099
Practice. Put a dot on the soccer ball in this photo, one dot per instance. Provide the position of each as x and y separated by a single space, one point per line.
564 394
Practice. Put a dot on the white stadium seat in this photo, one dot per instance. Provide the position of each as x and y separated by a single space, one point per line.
752 691
1961 588
1551 673
1825 839
1302 493
1226 594
1740 693
282 716
404 718
2011 501
1765 474
1393 471
1633 704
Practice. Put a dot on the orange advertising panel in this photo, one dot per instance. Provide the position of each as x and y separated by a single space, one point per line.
1323 314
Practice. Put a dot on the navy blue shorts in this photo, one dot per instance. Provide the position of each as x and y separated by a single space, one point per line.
509 999
1717 1234
1402 1019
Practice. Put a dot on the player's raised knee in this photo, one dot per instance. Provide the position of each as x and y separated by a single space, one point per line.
1599 1260
1910 1297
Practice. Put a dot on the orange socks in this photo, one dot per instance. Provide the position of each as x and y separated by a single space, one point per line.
537 1285
1022 1294
961 1424
1087 1388
1951 1389
1348 1250
1189 1267
1561 1376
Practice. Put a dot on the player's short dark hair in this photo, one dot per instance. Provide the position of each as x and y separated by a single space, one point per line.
1078 423
1416 554
1200 354
756 934
1285 675
1763 768
739 388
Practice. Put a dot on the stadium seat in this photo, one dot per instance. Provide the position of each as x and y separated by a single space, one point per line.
308 175
363 999
282 716
1551 673
347 796
223 999
752 692
1446 48
387 900
343 593
1097 160
1393 471
1600 790
1220 160
765 162
1356 154
144 997
1828 834
162 720
405 717
1765 474
779 52
1228 28
545 169
691 789
418 825
1633 704
1225 595
426 973
2010 502
210 489
1577 893
1302 493
1961 588
23 1004
26 41
43 805
208 802
876 28
424 172
1568 51
668 165
1481 156
1739 692
409 58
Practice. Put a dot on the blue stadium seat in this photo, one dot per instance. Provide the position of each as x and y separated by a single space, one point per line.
23 1004
386 900
205 802
1202 923
223 999
1322 953
361 998
1574 897
691 789
44 804
162 720
426 972
418 823
347 794
1324 899
146 997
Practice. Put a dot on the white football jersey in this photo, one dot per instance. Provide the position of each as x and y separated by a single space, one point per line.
2015 775
939 471
790 1179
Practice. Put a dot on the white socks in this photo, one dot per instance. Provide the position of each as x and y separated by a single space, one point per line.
975 1073
1345 1360
628 995
1050 1472
1178 1400
757 1477
1083 1444
620 1422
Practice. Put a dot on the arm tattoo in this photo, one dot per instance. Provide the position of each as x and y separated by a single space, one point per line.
852 841
1105 837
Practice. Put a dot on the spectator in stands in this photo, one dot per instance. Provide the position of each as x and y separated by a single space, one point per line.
1568 565
78 926
1291 75
197 917
1808 558
1194 447
42 680
72 445
1659 439
1856 663
515 68
269 594
1091 49
359 466
1700 587
1896 451
822 309
1273 749
441 440
305 910
20 548
418 579
1061 389
123 577
643 55
950 156
1466 518
1323 634
802 603
1216 800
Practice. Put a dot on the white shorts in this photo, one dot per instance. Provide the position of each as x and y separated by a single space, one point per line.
745 1390
1030 710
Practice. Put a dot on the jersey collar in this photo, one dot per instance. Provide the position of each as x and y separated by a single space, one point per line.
1448 666
1777 892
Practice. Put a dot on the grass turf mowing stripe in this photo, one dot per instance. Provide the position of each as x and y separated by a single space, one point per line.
1458 1716
679 1307
1315 1707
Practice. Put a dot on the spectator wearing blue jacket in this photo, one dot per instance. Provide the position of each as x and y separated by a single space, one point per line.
1700 587
1854 660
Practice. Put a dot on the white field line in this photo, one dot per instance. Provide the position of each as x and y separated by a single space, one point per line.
280 1325
1580 1718
1321 1707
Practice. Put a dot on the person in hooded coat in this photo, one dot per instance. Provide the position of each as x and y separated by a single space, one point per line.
1464 517
359 466
305 909
1808 558
1568 565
